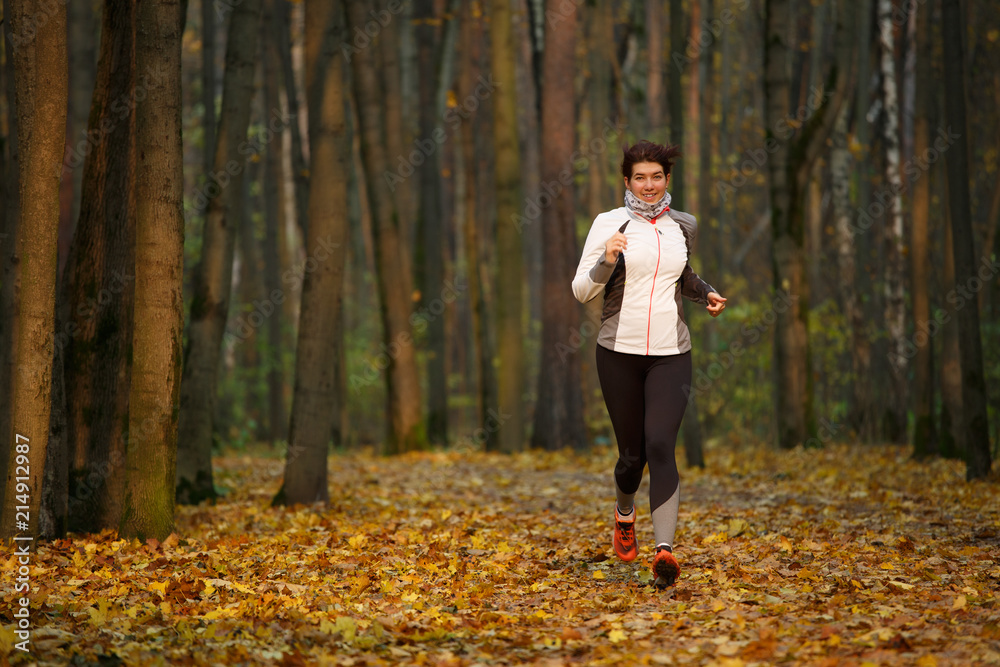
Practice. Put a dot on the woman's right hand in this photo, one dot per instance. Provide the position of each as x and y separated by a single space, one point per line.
615 246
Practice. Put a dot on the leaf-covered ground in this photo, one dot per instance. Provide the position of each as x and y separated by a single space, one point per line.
842 556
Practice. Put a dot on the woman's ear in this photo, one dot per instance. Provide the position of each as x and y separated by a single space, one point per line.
667 184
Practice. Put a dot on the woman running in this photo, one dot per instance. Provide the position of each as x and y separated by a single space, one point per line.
637 256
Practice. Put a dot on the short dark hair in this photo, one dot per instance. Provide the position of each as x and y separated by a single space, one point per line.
647 151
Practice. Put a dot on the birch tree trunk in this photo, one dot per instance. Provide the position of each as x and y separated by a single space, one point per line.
213 274
895 304
41 98
154 401
404 404
99 287
313 413
559 410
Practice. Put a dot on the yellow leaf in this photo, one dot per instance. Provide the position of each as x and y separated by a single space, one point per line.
445 514
785 544
959 602
887 566
159 586
927 661
900 584
357 541
617 635
552 642
598 574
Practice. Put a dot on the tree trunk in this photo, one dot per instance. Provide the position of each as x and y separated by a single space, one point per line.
559 410
83 31
404 404
975 423
924 433
692 145
894 428
42 95
274 229
300 169
9 255
251 293
654 70
208 85
213 275
99 284
952 435
148 506
476 263
510 266
312 406
431 224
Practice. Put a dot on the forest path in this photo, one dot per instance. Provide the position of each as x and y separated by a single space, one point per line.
841 556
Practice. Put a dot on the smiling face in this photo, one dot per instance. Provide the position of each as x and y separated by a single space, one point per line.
648 181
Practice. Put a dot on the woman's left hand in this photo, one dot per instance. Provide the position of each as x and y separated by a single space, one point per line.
716 303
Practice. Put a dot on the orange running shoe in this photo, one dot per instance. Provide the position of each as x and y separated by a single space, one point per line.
625 544
666 569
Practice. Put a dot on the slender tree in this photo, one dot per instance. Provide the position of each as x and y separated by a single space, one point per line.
313 416
975 422
510 264
208 84
274 230
41 98
213 274
404 405
9 257
894 428
791 155
430 223
924 431
148 506
83 31
559 410
99 281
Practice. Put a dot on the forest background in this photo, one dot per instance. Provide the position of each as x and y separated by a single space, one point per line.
354 225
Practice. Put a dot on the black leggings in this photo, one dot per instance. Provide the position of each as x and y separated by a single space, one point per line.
646 402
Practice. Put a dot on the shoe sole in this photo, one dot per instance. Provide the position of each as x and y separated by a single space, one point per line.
666 574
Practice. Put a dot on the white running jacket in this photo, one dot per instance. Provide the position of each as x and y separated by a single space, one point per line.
642 291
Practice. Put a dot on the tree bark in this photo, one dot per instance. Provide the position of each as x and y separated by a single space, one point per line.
894 426
975 422
300 169
82 62
404 404
431 223
274 229
9 255
654 70
42 94
99 283
313 415
924 432
213 275
208 85
510 265
788 170
148 506
559 410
